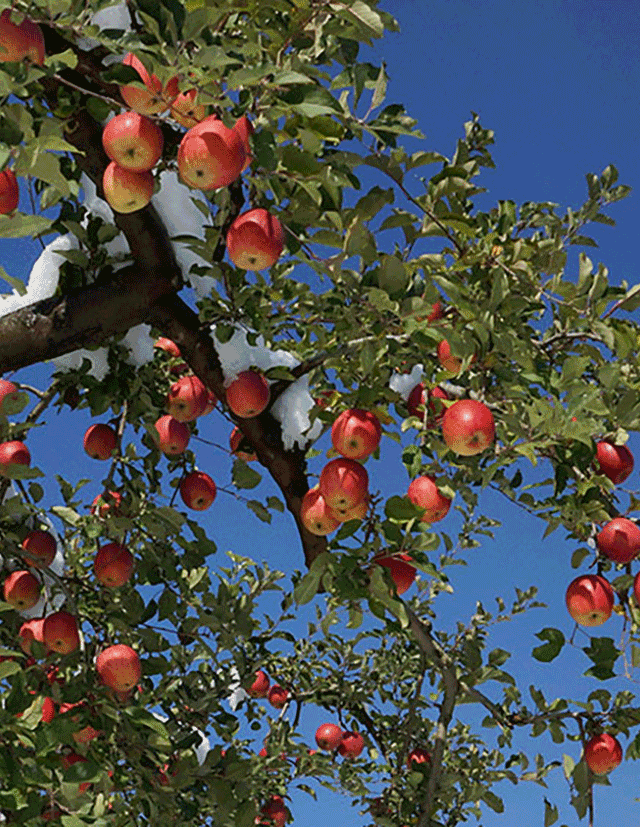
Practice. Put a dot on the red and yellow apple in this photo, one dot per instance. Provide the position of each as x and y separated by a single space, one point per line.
343 483
210 155
239 446
602 753
619 540
315 514
173 436
40 548
187 398
402 572
119 667
60 633
22 590
614 461
248 395
590 599
126 191
113 565
31 630
198 490
152 100
100 441
255 240
20 41
468 427
13 453
424 493
356 433
133 141
244 128
186 110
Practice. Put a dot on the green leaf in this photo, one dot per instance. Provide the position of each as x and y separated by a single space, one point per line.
259 510
402 509
550 813
21 224
244 476
550 650
14 283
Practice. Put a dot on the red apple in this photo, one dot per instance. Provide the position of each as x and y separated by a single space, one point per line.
315 514
186 111
48 710
126 191
358 512
328 737
356 433
152 100
87 733
343 483
351 745
20 41
212 401
424 493
260 685
402 572
615 461
244 128
274 812
9 192
13 453
278 696
248 395
133 141
418 755
468 427
22 590
167 345
589 600
113 565
420 396
60 633
198 490
187 399
619 540
100 441
210 155
40 548
29 631
239 445
110 502
437 312
636 588
119 667
602 753
173 436
255 240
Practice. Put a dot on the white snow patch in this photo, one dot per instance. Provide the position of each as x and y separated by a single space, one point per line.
404 383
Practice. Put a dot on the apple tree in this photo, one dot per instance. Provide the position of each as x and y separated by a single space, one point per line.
228 182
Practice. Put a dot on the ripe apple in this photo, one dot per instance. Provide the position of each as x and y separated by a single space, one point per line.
186 111
210 155
328 737
351 745
9 192
437 312
29 631
152 100
40 546
468 427
13 453
48 710
619 540
589 600
60 632
173 436
109 505
615 461
22 590
424 493
167 345
244 128
260 685
277 696
358 512
274 812
418 755
198 490
119 667
133 141
126 191
19 41
113 565
100 441
239 445
212 401
356 433
248 395
343 483
402 572
602 753
316 515
187 399
420 396
255 240
447 359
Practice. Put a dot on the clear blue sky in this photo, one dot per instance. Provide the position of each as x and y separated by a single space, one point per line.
558 83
